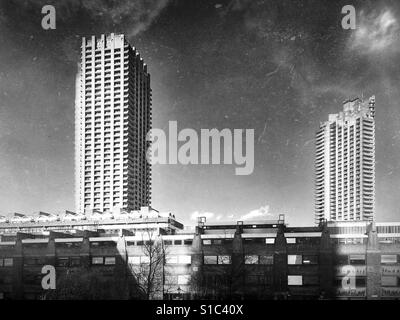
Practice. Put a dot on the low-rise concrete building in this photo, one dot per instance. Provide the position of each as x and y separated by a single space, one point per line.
241 260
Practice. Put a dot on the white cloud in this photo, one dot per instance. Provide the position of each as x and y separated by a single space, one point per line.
196 214
261 212
375 32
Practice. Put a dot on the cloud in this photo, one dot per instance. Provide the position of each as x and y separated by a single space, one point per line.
376 32
197 214
261 212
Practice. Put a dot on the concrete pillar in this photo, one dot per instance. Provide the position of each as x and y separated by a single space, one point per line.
326 264
280 263
238 268
197 264
373 264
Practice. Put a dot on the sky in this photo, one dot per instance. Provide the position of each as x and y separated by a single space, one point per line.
278 67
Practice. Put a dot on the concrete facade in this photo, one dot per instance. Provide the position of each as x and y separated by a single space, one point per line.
246 260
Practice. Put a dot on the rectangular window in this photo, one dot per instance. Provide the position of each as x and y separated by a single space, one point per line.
388 259
251 259
361 282
311 280
290 240
109 260
342 259
144 259
134 260
389 281
185 259
295 280
210 259
295 259
97 260
183 279
310 259
270 240
224 259
357 259
269 259
75 261
207 242
8 262
172 259
62 262
188 242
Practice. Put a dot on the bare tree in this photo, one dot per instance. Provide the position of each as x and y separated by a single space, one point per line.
150 272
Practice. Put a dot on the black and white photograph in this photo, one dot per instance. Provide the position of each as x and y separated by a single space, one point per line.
200 150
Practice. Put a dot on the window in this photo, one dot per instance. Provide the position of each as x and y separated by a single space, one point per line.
295 280
6 262
254 240
311 280
357 259
97 260
310 259
361 282
389 281
34 261
210 259
388 259
294 259
270 240
138 259
183 279
290 240
144 259
172 259
109 260
185 259
267 259
251 259
75 261
224 259
177 242
182 259
207 242
168 242
62 262
342 259
134 260
188 242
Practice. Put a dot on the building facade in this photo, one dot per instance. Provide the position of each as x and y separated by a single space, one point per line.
242 260
112 119
345 164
